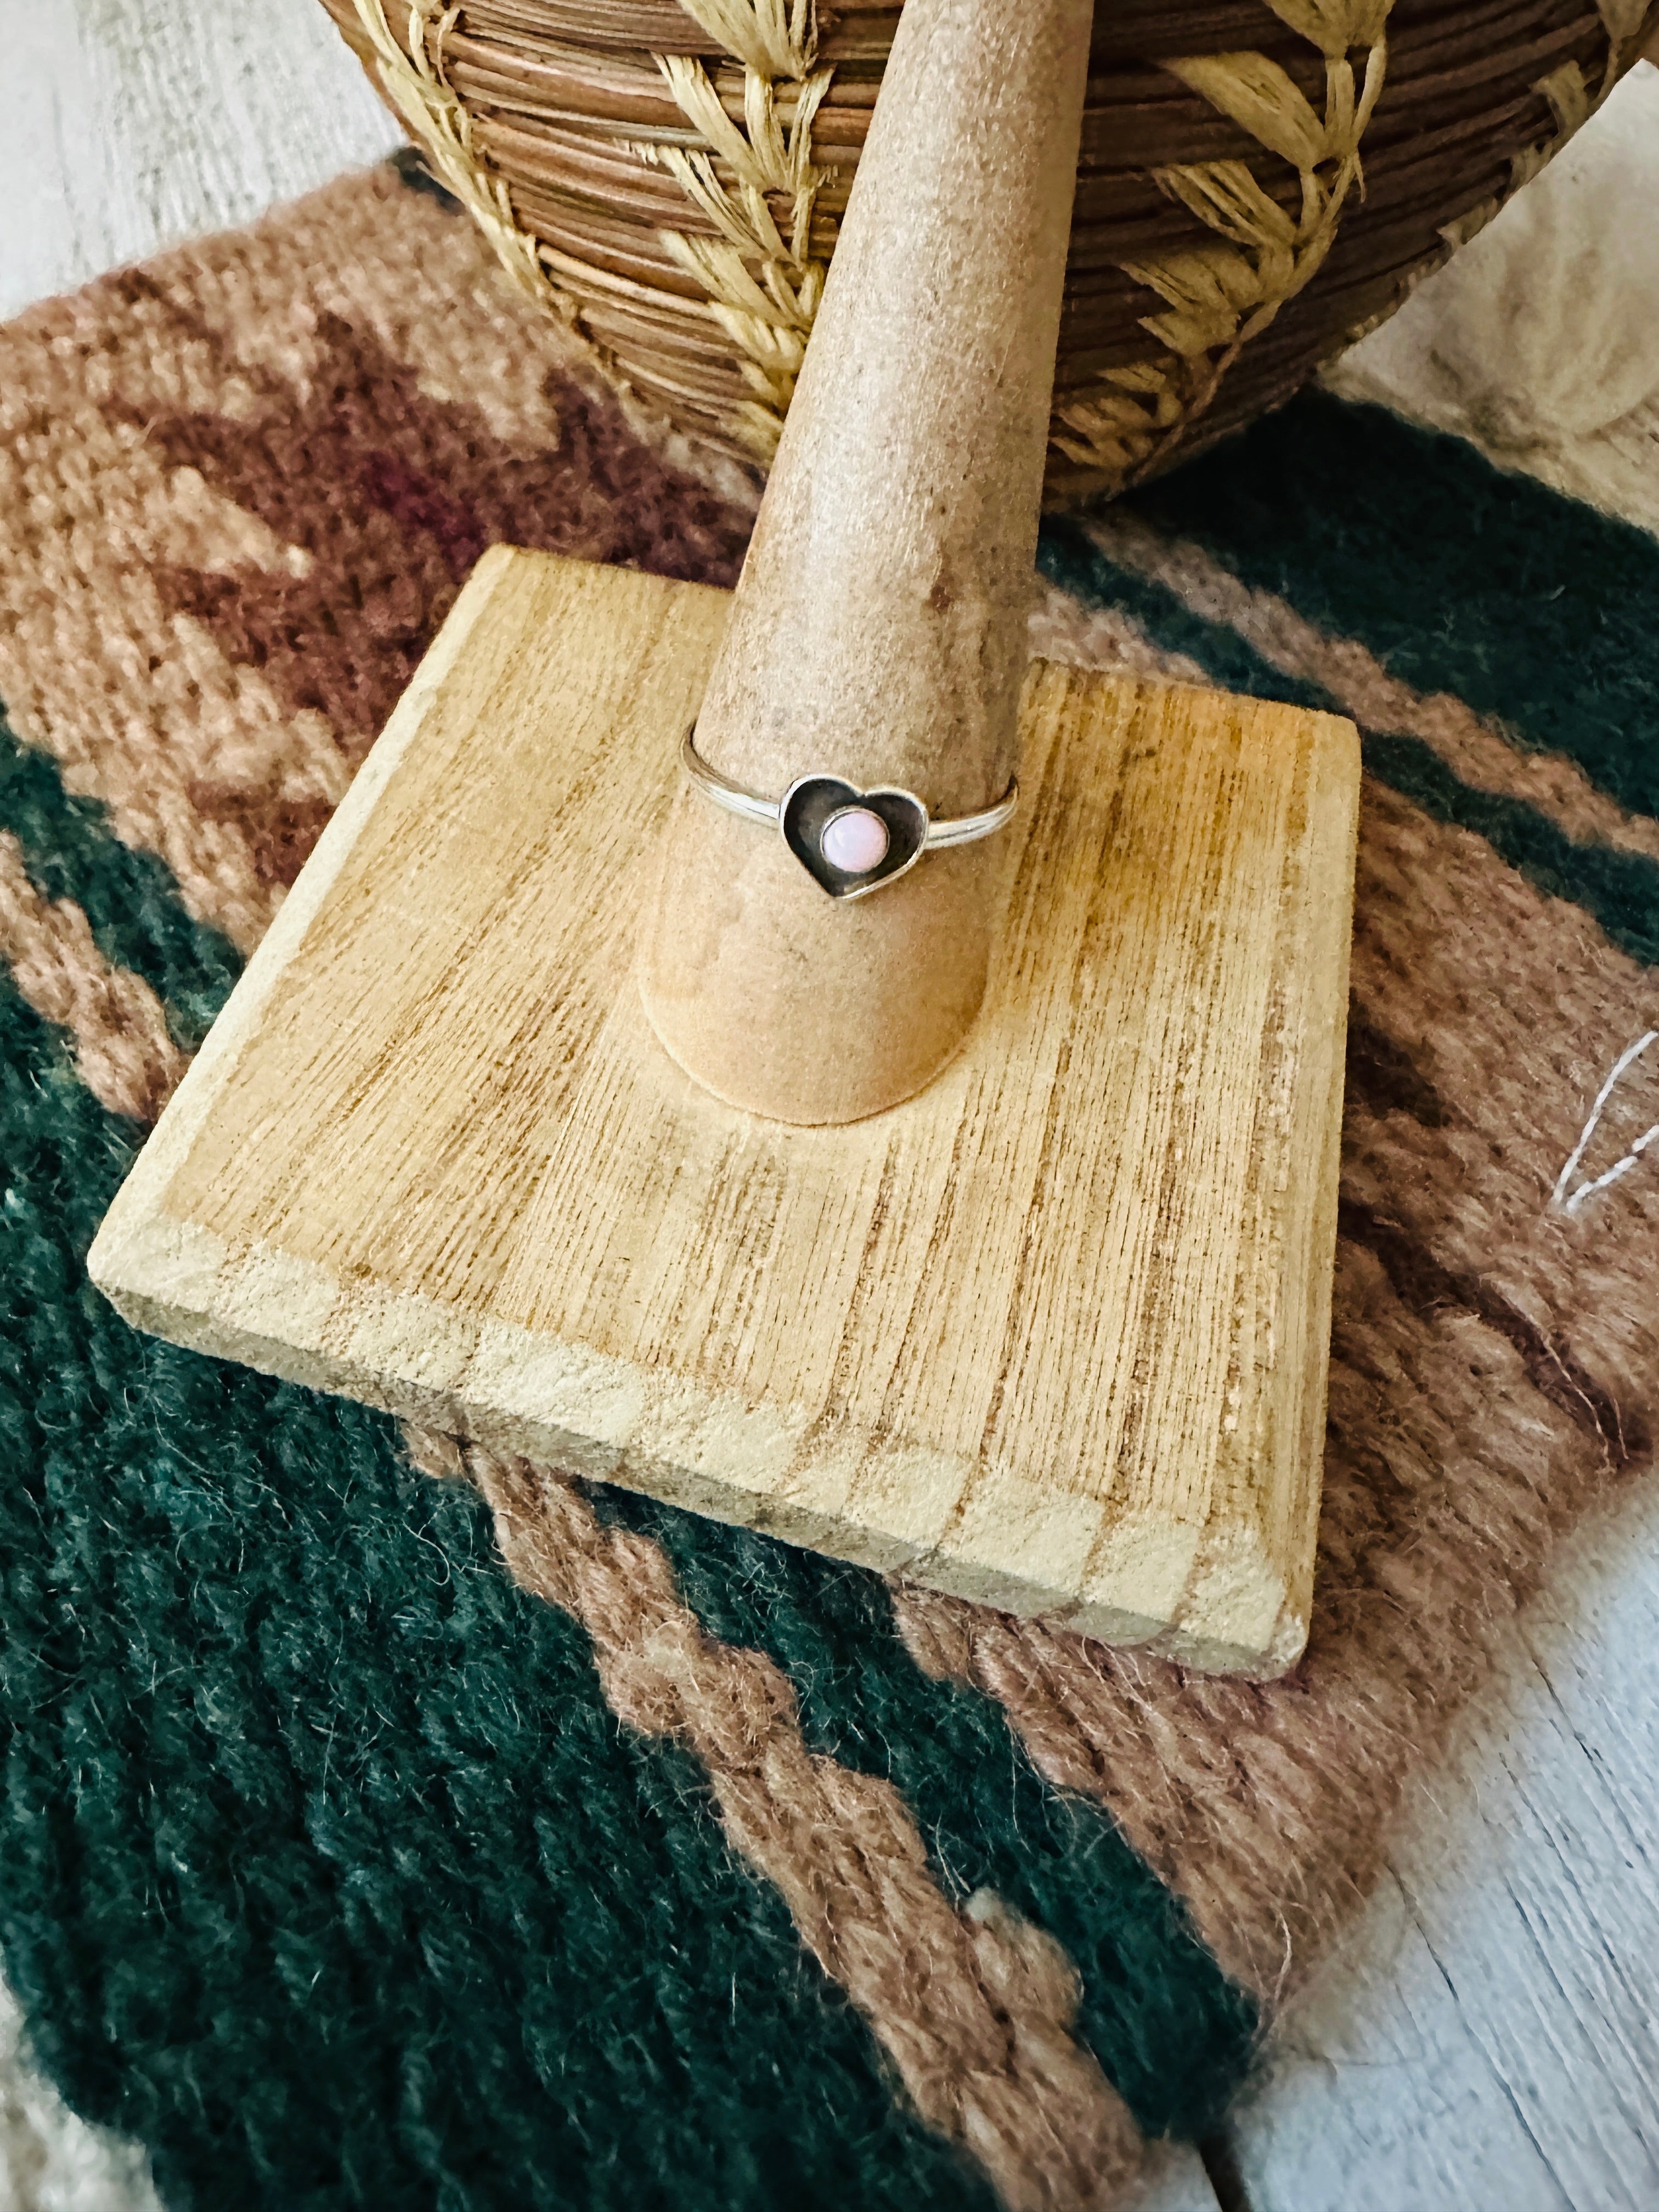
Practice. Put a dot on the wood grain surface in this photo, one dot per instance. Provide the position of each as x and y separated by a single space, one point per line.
1052 1334
99 163
130 126
1487 2034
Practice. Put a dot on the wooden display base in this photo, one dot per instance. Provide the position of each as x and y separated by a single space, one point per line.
1052 1334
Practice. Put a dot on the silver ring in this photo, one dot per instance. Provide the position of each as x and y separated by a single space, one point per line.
849 841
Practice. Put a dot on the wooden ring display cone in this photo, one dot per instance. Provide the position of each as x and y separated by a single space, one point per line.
879 629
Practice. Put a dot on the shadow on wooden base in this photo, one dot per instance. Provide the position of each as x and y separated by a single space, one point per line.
1052 1334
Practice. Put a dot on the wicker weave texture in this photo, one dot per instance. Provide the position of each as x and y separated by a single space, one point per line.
1260 182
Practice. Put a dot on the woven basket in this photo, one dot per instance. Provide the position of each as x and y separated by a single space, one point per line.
1262 181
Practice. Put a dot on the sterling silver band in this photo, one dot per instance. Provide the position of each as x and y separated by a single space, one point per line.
954 829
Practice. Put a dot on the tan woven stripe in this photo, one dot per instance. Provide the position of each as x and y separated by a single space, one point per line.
126 1057
1059 628
973 2008
1471 748
1491 1376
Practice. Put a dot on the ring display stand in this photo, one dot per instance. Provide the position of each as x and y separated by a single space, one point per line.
1052 1333
981 1226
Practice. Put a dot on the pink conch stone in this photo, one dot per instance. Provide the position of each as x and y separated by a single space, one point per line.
855 841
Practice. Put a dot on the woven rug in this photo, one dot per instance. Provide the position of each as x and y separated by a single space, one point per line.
386 1827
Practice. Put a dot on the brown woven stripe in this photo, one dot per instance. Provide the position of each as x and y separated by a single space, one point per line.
126 1057
1471 748
142 712
1492 1367
238 491
973 2008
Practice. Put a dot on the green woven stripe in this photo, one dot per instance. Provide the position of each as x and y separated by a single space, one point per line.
138 920
1172 2034
1621 890
1068 556
327 1871
1416 545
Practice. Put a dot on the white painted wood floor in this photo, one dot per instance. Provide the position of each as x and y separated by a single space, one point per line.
1488 2036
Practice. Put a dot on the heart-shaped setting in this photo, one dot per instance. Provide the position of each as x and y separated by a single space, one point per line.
851 842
